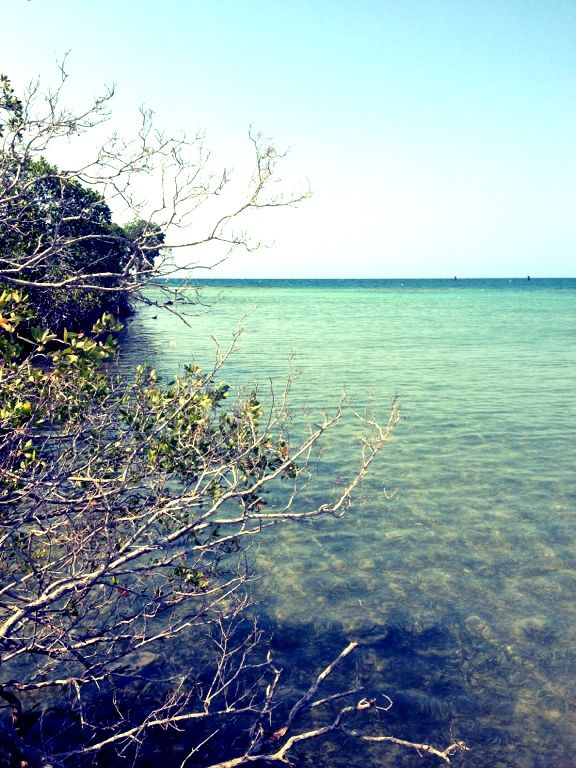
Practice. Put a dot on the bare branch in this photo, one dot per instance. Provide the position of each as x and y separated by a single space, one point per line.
128 507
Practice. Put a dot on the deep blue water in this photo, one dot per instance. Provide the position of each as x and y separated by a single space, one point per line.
515 283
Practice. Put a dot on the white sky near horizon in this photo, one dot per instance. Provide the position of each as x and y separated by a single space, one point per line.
438 136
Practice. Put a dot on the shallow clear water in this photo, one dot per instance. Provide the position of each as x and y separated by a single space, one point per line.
461 587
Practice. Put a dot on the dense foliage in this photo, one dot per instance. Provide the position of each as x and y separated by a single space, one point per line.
57 237
50 209
53 229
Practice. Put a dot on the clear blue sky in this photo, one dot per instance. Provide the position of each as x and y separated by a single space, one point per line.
438 136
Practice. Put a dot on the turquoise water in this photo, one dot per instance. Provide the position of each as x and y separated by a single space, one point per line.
461 586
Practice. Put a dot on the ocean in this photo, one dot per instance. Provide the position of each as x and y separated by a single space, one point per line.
455 568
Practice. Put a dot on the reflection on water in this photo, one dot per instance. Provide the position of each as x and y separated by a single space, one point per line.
461 587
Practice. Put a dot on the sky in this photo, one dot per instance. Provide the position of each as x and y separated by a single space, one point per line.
437 136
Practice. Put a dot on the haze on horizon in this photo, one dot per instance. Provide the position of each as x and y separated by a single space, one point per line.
437 136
